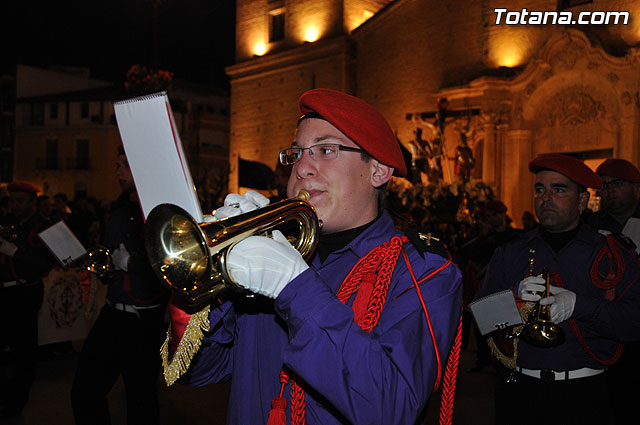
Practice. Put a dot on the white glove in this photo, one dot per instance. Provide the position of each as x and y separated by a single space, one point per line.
208 218
562 303
531 287
235 204
264 265
7 248
120 258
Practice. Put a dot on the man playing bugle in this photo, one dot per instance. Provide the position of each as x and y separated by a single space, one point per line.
360 334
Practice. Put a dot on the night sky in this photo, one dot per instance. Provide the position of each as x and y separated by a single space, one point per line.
195 38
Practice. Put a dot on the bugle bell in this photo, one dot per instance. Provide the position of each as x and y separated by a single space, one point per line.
98 261
190 257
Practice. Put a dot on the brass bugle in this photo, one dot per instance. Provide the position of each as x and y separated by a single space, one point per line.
539 329
191 257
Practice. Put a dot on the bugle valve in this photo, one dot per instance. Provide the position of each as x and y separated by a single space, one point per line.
9 233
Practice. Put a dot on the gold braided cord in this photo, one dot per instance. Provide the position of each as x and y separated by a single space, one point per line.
187 348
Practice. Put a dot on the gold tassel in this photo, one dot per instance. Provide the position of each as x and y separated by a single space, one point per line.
187 348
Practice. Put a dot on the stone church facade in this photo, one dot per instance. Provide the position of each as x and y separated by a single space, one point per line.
512 91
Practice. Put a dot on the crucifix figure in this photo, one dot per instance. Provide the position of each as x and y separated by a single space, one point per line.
437 145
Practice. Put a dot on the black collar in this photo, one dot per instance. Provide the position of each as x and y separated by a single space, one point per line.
331 242
558 240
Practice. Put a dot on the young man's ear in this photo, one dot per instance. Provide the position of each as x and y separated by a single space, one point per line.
381 173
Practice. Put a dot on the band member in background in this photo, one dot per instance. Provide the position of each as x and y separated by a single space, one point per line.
24 261
475 255
620 213
594 298
620 199
127 335
360 334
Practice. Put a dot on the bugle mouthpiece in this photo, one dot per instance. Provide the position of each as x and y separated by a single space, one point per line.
303 195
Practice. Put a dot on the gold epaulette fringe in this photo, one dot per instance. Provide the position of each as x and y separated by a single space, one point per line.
510 362
187 348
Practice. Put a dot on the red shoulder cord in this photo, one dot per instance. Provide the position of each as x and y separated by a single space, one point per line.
370 278
605 282
451 371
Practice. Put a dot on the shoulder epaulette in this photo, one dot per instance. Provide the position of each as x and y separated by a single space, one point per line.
625 241
425 241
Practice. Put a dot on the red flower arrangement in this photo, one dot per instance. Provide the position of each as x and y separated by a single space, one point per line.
139 77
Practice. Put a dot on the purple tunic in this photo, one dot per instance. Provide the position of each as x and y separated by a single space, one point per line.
350 376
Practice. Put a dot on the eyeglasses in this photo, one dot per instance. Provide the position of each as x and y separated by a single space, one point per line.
613 184
318 152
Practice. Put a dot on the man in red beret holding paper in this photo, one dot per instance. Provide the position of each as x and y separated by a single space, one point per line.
24 261
594 300
361 333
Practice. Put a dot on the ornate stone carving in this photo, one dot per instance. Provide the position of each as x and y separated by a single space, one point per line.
531 87
569 56
571 106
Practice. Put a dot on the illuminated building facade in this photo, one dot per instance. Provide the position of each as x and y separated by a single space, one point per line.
515 90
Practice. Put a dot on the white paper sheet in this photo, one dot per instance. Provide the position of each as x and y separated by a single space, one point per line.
632 231
495 311
64 245
154 151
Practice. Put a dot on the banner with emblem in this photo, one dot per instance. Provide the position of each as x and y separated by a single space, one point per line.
71 303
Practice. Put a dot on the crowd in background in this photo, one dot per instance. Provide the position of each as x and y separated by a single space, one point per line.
490 226
85 216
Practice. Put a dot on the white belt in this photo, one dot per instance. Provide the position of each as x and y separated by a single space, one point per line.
9 284
560 376
128 308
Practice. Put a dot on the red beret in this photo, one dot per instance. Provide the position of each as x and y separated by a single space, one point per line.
493 206
359 121
571 167
620 169
22 186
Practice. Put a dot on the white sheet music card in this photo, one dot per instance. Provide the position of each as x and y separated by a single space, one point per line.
495 311
154 152
632 231
62 243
